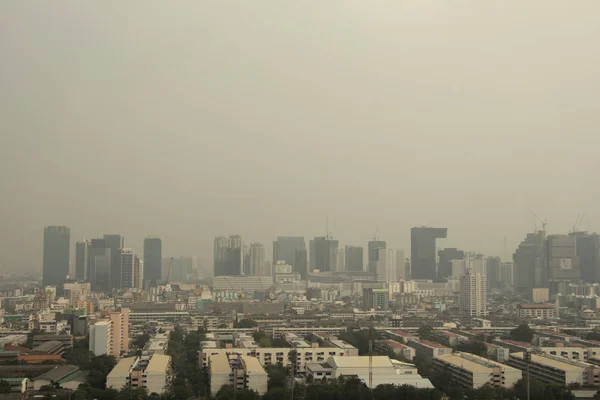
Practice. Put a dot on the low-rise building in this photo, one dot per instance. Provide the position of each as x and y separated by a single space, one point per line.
154 373
239 371
387 346
555 370
54 375
472 372
538 311
384 371
425 350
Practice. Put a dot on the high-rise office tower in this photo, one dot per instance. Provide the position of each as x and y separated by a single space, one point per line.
115 243
301 266
99 263
354 258
563 262
55 269
473 294
246 261
390 265
130 269
506 275
374 246
323 254
228 255
423 255
152 259
445 258
340 260
287 248
530 267
257 260
492 268
588 251
82 269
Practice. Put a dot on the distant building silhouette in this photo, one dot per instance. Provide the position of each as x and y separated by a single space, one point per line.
82 255
323 254
588 251
257 260
354 258
374 246
152 259
115 243
131 270
530 266
445 258
563 262
228 255
423 255
55 268
292 250
99 264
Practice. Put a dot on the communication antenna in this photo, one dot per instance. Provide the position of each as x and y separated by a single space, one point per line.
505 252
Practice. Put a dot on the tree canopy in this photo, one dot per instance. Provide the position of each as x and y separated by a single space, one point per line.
522 333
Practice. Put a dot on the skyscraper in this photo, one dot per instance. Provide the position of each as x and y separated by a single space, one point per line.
506 275
445 262
588 251
375 299
563 262
493 269
323 254
473 294
99 264
289 249
228 255
530 269
82 269
374 246
423 255
115 243
257 260
152 259
55 268
354 258
390 265
131 272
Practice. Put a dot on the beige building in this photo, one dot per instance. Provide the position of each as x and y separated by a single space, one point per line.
554 370
472 372
153 373
101 334
426 351
473 294
538 311
120 321
239 371
111 336
540 295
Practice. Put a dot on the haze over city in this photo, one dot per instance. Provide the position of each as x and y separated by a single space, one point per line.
198 119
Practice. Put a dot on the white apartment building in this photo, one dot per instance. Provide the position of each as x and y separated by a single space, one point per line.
390 265
154 373
473 294
538 311
101 338
242 283
239 371
472 372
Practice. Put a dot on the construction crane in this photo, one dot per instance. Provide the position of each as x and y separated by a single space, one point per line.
543 221
578 222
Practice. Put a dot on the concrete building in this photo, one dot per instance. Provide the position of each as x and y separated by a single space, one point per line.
374 246
530 267
588 252
506 275
220 372
157 374
423 251
101 338
492 272
82 270
540 295
384 371
472 372
323 254
120 376
375 299
445 257
473 294
76 291
537 311
292 250
257 260
153 373
55 266
115 243
553 370
426 351
563 262
389 266
354 258
386 346
238 371
130 264
242 283
228 255
152 259
99 265
120 332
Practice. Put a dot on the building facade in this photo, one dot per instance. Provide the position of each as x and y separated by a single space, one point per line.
152 259
57 241
423 251
473 294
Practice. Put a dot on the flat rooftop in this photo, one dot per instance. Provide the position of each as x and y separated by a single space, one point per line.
550 362
123 367
253 365
219 363
158 363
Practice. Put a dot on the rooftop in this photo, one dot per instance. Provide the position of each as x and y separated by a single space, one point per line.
550 362
392 343
541 306
431 344
158 364
58 373
463 363
253 365
359 362
123 367
219 363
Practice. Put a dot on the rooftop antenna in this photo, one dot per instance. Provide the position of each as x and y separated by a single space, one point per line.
505 252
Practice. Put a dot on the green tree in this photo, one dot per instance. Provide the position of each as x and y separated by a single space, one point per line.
522 333
425 331
140 341
476 347
246 323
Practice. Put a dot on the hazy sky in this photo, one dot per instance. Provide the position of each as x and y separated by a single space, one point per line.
191 119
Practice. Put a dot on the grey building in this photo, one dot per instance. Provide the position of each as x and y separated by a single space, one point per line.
55 266
115 243
152 259
529 263
82 255
374 246
493 272
99 264
323 254
354 258
228 255
588 251
563 262
292 250
445 258
423 254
